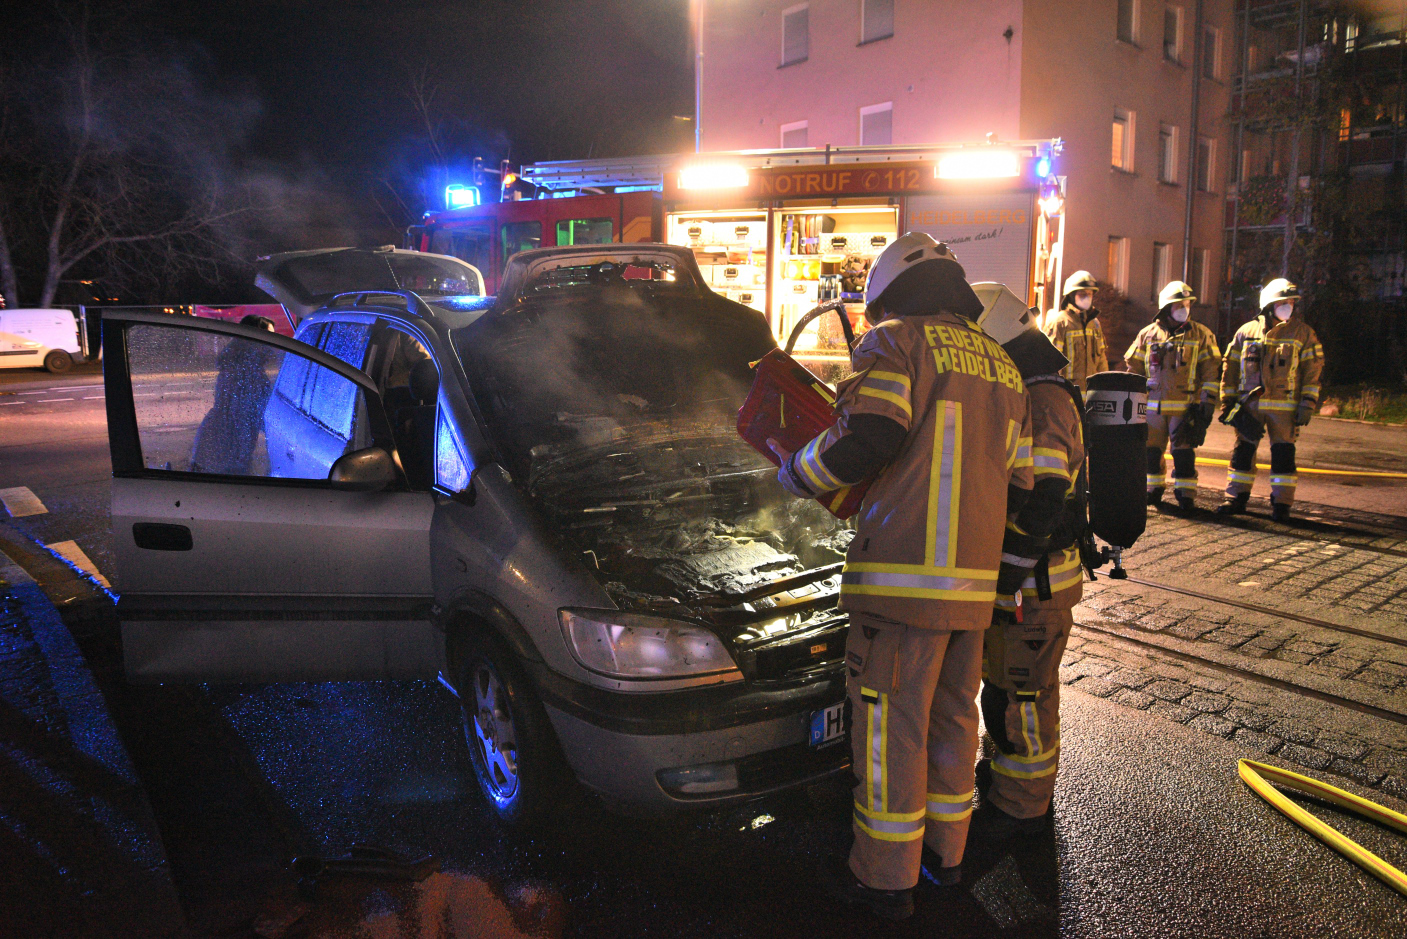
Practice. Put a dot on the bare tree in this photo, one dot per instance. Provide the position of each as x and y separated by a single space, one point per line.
124 170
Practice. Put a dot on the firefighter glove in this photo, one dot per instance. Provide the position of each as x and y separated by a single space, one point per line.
791 480
1304 412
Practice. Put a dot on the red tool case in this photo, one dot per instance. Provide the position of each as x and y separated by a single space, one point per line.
790 405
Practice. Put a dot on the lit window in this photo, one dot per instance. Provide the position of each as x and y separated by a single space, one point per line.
1172 33
1128 21
1162 268
796 34
877 125
1167 153
1119 263
1122 155
876 20
1206 157
794 135
1211 53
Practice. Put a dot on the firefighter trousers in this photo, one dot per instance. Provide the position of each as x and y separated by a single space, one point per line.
913 700
1021 708
1280 427
1163 428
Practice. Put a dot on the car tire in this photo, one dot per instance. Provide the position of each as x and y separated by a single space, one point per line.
58 361
512 748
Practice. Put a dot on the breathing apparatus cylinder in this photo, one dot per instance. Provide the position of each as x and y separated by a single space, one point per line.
1116 405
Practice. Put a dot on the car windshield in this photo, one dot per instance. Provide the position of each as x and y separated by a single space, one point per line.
607 366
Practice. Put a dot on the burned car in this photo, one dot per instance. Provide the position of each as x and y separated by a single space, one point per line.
542 500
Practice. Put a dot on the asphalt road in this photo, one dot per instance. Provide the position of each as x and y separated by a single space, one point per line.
1154 834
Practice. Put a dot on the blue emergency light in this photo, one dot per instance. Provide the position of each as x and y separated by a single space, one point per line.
459 196
1043 168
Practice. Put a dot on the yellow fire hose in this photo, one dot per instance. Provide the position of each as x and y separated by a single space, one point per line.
1204 461
1254 775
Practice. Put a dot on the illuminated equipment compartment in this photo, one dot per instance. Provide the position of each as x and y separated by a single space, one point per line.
731 248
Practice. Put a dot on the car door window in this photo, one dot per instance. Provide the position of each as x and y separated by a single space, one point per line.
409 382
520 236
212 403
584 231
451 468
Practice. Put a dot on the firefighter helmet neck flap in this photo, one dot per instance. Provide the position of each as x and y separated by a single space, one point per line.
1277 299
917 276
1012 324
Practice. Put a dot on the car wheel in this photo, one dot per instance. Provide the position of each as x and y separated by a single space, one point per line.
513 751
58 361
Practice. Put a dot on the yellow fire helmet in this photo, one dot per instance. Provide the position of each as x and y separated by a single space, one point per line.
1278 291
1007 319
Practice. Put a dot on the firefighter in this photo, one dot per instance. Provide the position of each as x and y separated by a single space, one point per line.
938 411
1181 360
1021 692
1269 382
1075 330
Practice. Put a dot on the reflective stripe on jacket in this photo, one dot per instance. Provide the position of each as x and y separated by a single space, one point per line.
1080 341
1286 359
1181 365
929 533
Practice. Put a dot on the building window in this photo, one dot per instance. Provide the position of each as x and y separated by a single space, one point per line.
1197 274
1122 155
876 20
1206 158
877 125
1119 263
794 135
1128 21
1167 153
796 34
1162 268
1172 33
1211 52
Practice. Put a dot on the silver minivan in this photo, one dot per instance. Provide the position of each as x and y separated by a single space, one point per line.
540 499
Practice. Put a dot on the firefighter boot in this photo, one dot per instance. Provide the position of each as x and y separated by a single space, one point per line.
992 824
1157 480
936 874
1234 505
1283 478
1279 512
840 882
1185 479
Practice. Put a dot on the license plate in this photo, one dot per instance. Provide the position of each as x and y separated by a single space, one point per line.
828 725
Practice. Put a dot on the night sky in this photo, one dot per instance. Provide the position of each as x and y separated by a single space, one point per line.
315 95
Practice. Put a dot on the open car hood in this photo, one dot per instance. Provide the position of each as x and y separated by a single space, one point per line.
305 280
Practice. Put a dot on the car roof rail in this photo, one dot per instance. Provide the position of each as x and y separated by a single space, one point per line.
357 298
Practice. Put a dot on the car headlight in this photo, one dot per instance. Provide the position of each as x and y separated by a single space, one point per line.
634 646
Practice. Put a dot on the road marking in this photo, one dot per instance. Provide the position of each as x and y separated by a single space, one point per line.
21 501
53 400
92 397
70 552
5 404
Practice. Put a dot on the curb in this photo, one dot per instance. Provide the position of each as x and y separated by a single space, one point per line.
85 818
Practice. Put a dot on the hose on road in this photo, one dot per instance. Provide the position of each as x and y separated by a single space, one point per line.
1254 774
1376 474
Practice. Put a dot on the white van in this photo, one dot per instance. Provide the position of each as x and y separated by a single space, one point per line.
35 338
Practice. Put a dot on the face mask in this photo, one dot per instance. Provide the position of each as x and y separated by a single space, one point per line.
1283 311
1180 314
1084 303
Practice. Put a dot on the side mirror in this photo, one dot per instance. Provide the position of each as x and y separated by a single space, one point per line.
367 470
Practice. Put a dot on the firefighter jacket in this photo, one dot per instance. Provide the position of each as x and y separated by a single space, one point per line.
928 540
1182 364
1054 507
1078 335
1286 360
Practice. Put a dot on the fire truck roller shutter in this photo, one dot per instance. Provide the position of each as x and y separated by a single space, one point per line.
1117 435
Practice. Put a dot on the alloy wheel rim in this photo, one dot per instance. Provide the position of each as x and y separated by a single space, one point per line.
494 733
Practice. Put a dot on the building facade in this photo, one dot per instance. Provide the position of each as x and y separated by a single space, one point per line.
1116 80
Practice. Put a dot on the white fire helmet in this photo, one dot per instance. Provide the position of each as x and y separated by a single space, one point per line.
903 252
1013 325
1175 292
1080 280
1278 291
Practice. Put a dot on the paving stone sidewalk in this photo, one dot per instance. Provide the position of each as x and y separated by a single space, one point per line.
79 850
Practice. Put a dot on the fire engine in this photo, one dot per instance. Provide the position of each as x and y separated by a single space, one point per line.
782 231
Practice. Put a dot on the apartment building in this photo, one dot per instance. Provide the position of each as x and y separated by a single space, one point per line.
1117 80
